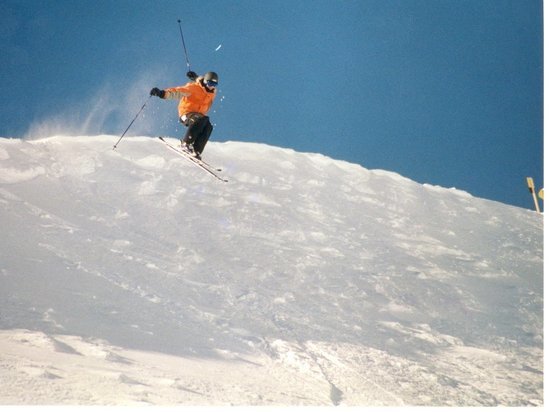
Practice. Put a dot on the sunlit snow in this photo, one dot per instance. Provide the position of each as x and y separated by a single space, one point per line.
131 276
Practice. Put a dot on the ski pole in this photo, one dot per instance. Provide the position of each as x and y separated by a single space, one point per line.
131 123
184 48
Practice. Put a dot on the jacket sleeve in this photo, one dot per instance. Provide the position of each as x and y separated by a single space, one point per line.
176 92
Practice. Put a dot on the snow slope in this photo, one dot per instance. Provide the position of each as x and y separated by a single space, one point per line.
133 277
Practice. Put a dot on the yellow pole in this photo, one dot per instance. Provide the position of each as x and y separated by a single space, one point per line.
531 186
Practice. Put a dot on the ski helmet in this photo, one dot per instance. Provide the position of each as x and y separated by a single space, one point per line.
211 77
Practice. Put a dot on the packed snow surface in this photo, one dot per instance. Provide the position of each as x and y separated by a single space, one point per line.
131 276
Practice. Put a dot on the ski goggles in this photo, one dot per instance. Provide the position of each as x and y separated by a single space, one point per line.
212 84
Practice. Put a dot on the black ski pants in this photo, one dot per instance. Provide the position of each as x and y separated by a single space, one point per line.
198 132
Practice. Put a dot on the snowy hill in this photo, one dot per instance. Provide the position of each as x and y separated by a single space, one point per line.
131 276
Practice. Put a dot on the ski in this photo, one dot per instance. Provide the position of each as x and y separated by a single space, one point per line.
198 162
194 158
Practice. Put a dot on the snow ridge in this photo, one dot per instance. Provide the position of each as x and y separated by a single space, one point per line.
130 276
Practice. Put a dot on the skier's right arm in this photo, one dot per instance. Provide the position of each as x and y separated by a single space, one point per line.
171 93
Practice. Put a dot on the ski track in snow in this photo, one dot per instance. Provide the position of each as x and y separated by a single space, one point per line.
132 277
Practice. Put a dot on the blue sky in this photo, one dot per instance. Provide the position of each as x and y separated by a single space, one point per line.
446 92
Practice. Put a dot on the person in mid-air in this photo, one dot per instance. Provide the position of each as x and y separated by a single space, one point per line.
196 97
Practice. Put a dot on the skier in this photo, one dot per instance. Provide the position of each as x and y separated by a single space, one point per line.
196 97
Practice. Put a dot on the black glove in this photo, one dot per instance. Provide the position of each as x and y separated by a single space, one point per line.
192 75
157 92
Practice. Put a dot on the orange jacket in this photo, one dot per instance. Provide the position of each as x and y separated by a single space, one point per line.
194 97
